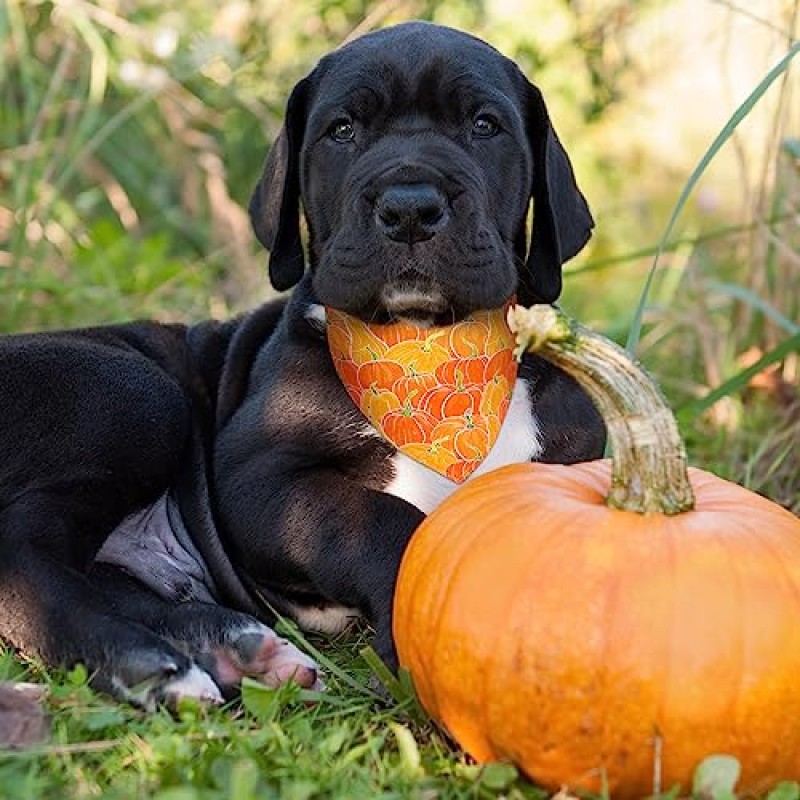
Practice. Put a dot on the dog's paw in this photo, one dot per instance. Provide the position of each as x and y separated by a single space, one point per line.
256 651
195 683
147 679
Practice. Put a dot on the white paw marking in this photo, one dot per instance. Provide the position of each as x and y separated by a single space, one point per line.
331 620
195 682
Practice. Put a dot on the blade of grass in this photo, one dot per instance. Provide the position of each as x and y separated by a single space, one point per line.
115 122
608 262
98 80
754 301
722 137
399 686
99 77
24 185
733 384
15 30
286 626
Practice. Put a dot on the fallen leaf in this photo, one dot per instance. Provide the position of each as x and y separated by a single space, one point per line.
23 722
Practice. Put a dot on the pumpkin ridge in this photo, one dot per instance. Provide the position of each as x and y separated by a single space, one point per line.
767 541
494 500
485 687
669 670
483 505
739 566
768 544
443 599
611 612
738 651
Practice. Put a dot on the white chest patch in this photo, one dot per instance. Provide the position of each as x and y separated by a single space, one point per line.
331 620
518 441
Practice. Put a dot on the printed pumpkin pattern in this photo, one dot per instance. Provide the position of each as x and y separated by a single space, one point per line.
439 394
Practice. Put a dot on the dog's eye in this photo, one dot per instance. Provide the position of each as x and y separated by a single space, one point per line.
342 131
485 125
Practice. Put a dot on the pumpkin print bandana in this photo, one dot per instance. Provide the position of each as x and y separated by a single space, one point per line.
438 394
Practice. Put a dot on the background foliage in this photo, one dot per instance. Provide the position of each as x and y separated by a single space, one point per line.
132 132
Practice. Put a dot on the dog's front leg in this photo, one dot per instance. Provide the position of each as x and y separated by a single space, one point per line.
311 537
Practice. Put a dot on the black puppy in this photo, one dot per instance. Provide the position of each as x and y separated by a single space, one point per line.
162 486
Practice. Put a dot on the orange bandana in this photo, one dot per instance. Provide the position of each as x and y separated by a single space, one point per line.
438 394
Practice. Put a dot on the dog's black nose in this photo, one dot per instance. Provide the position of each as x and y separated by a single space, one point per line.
411 212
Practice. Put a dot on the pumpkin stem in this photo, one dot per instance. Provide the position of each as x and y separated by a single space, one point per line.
649 472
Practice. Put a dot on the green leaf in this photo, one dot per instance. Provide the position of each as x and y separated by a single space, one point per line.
334 741
261 701
400 687
498 776
104 718
409 752
243 780
177 793
786 790
715 778
673 793
299 790
78 675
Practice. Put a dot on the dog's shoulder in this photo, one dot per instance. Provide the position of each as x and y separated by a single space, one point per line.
296 403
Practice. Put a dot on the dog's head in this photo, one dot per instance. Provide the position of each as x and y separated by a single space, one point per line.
415 152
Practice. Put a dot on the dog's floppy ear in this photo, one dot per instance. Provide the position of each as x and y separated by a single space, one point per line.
562 222
275 204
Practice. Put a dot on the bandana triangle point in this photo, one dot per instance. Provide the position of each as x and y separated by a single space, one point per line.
438 394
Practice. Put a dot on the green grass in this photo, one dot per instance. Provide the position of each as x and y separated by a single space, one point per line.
286 744
282 744
121 199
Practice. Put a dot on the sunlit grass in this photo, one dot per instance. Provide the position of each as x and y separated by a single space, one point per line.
124 172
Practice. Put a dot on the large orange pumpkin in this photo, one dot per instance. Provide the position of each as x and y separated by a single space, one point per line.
608 625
